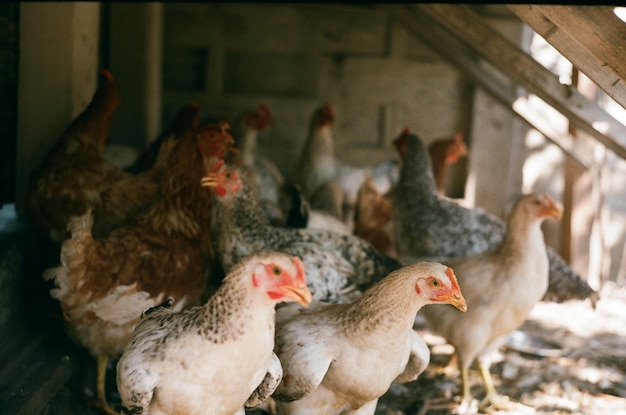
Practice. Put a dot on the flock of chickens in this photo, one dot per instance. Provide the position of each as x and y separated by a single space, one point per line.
182 266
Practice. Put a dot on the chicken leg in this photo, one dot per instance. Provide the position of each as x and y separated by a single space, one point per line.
466 399
101 400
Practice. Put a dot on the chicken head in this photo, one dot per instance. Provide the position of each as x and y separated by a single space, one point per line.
282 284
261 118
441 290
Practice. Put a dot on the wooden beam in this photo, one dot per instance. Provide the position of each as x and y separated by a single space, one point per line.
467 62
524 70
592 38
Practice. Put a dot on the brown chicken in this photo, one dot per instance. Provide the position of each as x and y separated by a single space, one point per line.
187 117
501 287
104 284
372 218
75 177
443 152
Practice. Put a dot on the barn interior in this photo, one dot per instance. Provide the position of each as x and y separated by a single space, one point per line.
537 91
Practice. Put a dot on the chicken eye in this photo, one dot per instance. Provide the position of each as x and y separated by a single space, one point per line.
277 271
435 283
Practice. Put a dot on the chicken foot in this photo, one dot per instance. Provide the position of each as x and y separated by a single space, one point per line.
493 400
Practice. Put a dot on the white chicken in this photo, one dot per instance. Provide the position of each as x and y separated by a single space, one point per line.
216 358
340 358
318 163
501 287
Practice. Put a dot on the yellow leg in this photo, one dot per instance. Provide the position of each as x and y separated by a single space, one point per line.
492 397
466 398
101 400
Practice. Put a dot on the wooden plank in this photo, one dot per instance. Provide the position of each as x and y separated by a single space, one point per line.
603 66
38 366
597 29
458 54
527 72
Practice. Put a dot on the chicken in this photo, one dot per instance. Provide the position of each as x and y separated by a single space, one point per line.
318 163
188 117
444 152
428 226
74 176
301 215
340 358
267 175
501 287
103 284
373 210
328 197
214 358
338 266
372 218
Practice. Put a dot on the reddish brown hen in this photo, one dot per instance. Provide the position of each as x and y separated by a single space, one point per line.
104 284
443 152
74 176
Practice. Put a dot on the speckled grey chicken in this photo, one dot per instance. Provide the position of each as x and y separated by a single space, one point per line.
501 287
340 358
338 266
218 357
427 225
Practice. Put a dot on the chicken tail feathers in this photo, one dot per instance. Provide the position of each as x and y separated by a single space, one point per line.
565 284
68 276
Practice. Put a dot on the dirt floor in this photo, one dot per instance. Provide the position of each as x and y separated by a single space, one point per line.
566 359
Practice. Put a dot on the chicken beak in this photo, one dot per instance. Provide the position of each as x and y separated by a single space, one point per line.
209 181
458 301
454 296
300 294
552 209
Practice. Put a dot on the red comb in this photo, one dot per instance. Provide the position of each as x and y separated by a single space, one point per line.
265 110
216 140
330 111
107 74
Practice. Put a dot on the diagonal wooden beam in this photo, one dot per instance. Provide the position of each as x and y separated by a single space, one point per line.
591 37
469 63
525 71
